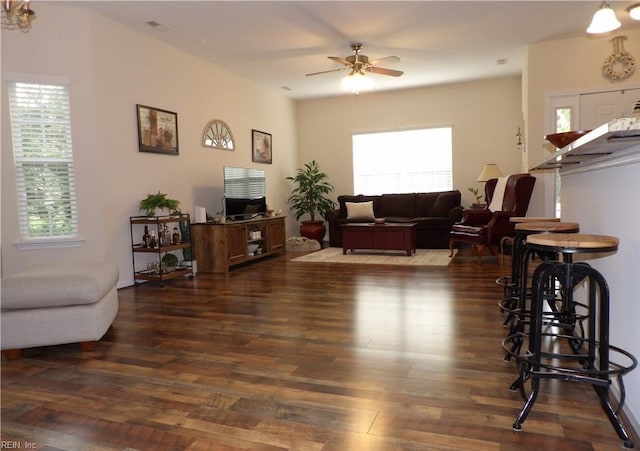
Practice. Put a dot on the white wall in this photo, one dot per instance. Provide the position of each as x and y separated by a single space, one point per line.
485 116
610 195
562 66
113 68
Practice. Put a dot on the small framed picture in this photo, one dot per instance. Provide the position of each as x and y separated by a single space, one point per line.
261 151
157 130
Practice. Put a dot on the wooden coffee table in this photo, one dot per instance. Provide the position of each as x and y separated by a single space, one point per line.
388 236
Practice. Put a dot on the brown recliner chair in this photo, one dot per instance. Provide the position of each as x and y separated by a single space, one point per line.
484 228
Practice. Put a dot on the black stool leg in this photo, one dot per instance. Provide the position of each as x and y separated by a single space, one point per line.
519 319
514 290
597 280
535 343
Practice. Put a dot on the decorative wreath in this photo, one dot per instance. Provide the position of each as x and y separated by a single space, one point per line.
619 66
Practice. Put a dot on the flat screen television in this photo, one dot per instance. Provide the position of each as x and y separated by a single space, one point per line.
245 193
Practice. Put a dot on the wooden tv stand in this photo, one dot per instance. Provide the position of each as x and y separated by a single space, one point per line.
217 247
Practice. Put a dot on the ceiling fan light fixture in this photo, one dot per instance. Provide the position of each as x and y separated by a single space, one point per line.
16 14
604 20
359 66
356 82
634 11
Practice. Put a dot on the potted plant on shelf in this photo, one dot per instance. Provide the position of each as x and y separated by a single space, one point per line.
309 196
159 201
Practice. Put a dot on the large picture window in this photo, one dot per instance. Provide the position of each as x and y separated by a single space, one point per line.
408 161
43 157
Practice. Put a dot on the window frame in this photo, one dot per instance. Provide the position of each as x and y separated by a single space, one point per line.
28 155
406 174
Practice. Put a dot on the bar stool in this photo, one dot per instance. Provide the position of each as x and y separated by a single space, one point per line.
516 291
507 281
517 220
589 360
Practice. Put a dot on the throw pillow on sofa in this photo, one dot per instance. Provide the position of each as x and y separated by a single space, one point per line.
359 210
343 199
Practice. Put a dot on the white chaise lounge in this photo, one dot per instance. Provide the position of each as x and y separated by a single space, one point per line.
63 303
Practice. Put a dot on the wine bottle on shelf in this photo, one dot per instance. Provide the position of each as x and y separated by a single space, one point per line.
153 241
146 238
175 238
166 236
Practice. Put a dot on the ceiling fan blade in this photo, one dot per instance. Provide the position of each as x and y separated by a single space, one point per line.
383 71
325 71
340 60
385 60
358 63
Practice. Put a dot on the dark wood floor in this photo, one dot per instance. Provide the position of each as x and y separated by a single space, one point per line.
285 355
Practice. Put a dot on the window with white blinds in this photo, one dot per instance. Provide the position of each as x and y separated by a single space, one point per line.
408 161
43 156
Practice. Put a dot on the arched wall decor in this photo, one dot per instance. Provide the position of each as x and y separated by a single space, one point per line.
218 135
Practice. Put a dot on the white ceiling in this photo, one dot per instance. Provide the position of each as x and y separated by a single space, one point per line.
275 43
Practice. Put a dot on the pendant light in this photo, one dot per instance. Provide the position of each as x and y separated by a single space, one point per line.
634 11
604 20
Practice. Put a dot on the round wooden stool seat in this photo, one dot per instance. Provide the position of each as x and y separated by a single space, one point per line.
574 242
519 219
551 227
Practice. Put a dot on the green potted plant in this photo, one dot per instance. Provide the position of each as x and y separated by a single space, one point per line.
310 197
476 194
159 201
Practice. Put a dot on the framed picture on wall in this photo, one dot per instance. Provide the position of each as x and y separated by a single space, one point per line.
261 151
157 130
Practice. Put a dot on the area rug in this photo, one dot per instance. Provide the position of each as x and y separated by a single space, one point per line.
422 257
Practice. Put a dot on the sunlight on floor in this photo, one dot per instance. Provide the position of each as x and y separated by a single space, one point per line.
395 318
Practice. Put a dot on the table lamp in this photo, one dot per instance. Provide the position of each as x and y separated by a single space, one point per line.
489 171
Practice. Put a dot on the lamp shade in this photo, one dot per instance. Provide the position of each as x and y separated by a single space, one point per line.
489 171
604 20
634 11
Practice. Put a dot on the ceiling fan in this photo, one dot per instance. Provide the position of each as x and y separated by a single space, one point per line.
358 64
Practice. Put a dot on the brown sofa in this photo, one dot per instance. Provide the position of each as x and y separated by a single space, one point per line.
434 214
